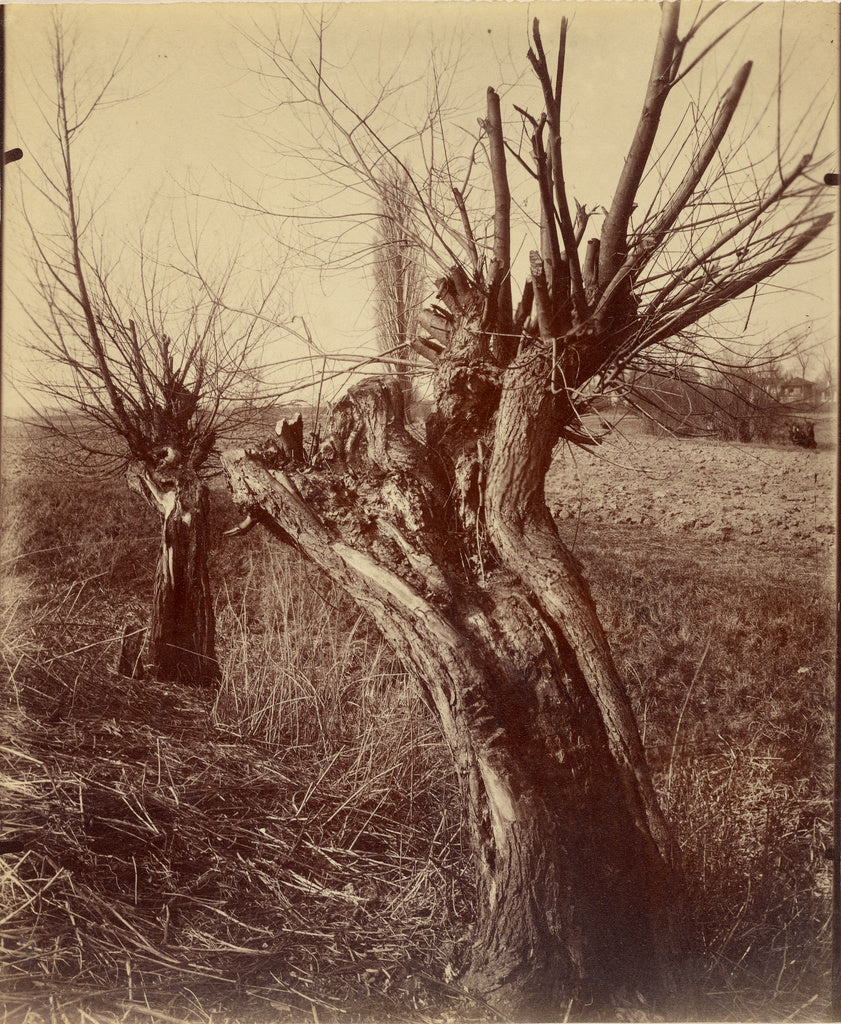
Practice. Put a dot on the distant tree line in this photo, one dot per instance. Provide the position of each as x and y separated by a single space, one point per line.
734 403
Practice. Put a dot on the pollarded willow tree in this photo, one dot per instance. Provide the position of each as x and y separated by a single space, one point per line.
448 543
145 371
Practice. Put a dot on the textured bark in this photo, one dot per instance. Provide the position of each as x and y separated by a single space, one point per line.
180 642
449 547
448 544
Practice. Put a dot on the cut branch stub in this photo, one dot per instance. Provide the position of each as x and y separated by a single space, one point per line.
582 217
437 324
591 270
502 214
428 348
291 437
456 291
542 304
368 435
363 422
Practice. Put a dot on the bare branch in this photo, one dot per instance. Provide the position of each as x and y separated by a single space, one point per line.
113 357
738 227
700 162
615 228
458 195
707 49
729 289
500 278
552 102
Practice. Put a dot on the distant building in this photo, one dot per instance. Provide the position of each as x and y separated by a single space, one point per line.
798 389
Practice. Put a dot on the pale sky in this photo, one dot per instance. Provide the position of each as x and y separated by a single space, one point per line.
164 159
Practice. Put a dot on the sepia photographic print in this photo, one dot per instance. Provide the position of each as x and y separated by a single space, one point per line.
418 512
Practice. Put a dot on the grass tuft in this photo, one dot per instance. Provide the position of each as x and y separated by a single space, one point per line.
731 671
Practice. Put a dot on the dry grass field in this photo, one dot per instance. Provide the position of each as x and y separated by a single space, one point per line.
290 849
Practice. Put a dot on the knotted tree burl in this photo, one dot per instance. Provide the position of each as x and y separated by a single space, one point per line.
447 542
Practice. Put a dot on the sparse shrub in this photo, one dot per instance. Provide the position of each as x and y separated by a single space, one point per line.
731 405
739 407
669 404
802 433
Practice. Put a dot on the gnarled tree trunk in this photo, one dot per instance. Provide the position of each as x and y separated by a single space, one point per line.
448 544
180 642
